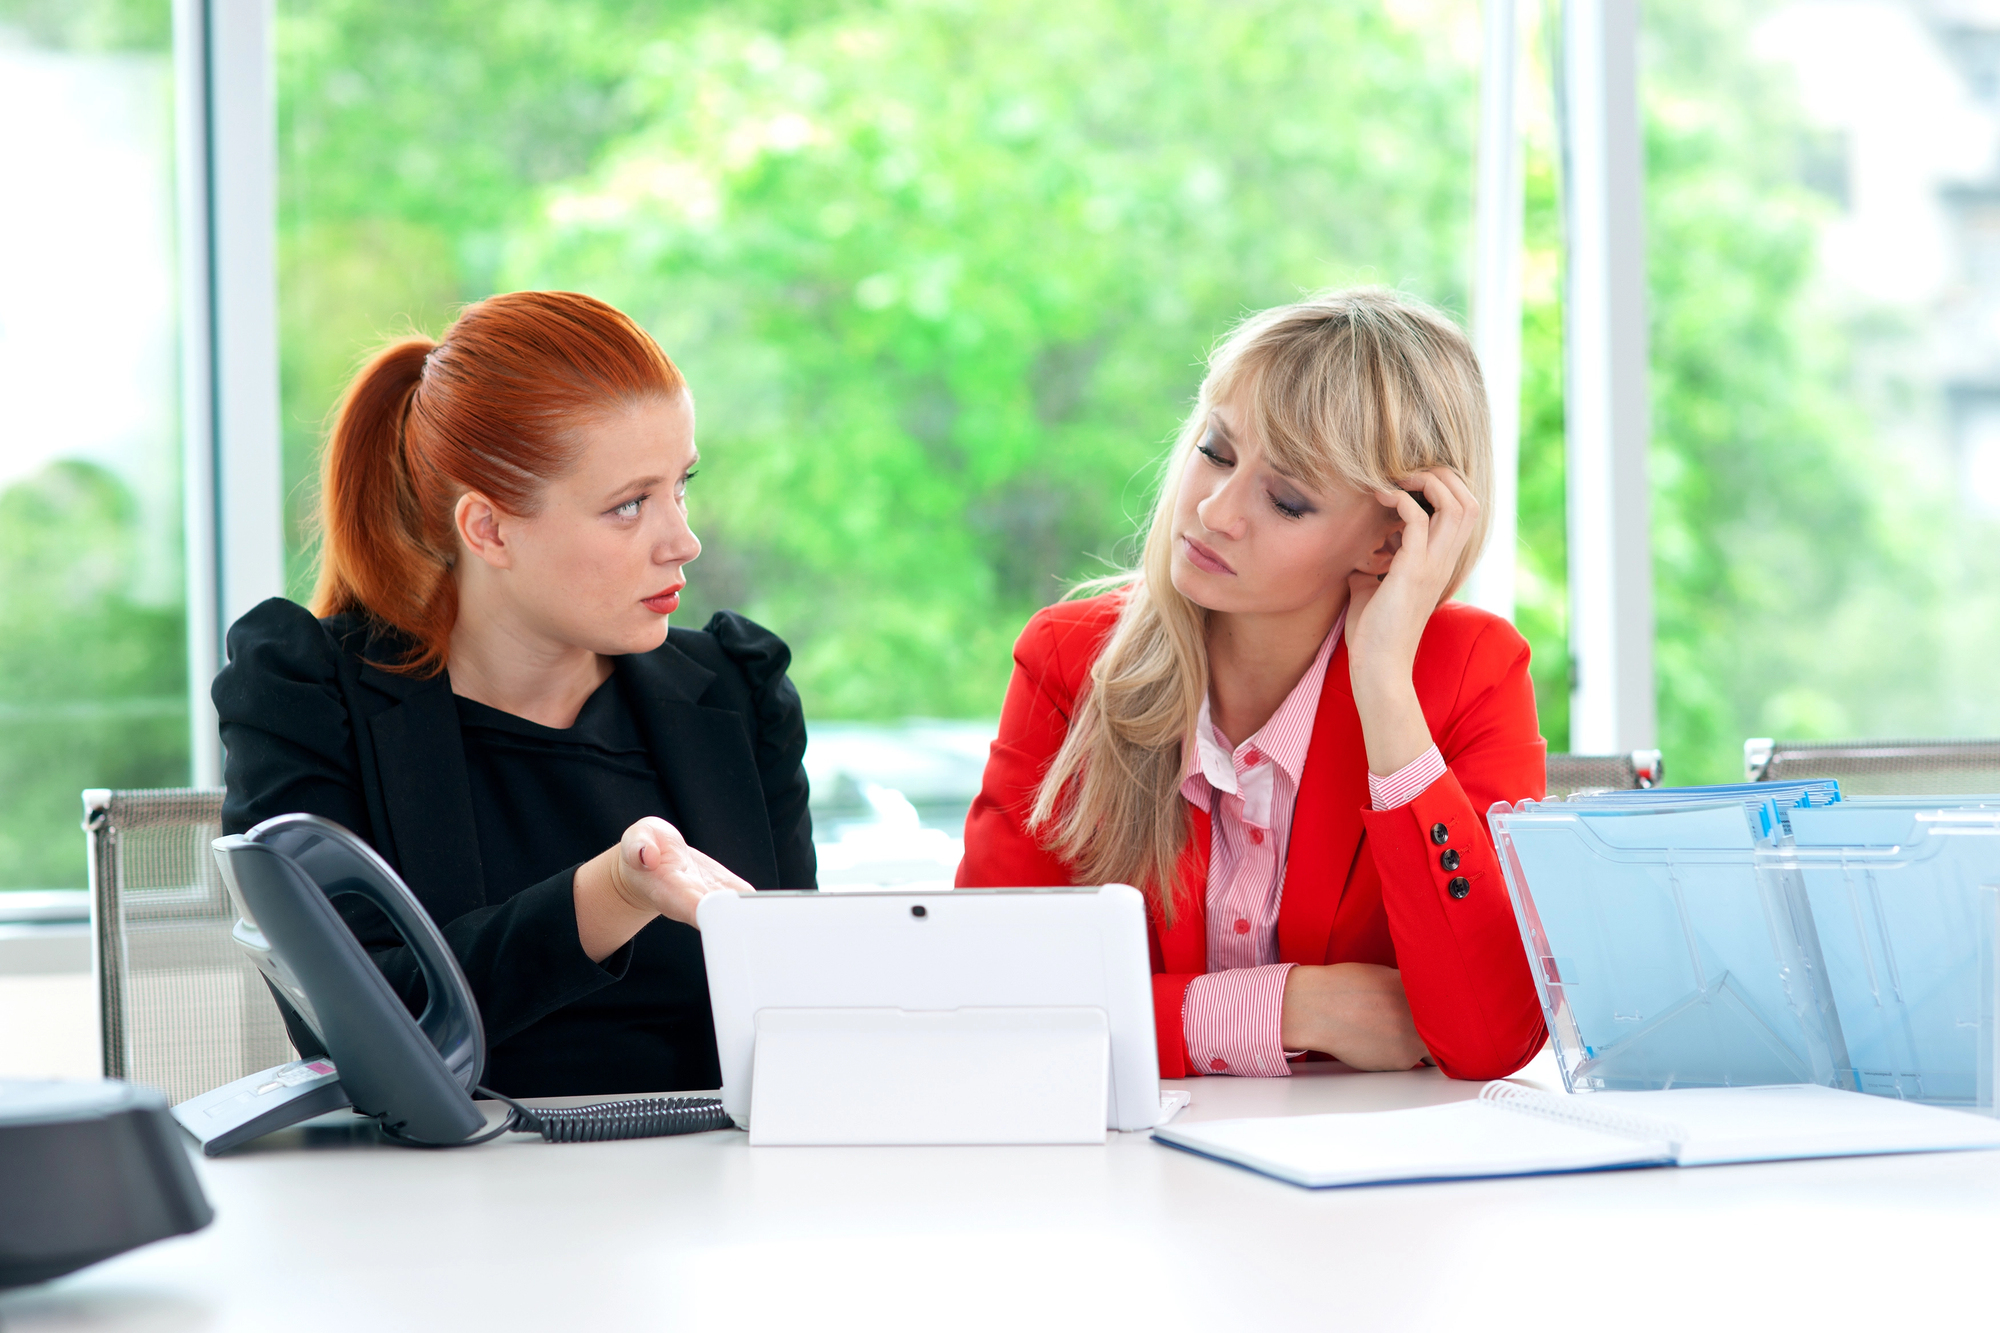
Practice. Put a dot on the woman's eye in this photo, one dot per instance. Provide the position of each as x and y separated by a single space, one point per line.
1288 509
630 509
1208 450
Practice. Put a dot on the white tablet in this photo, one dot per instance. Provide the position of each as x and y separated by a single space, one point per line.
1076 949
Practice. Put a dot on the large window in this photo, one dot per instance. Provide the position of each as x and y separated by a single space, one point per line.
1825 363
93 674
941 275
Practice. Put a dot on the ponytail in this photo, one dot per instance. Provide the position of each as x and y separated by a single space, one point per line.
491 408
375 555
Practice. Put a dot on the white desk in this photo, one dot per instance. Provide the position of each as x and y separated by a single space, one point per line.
705 1232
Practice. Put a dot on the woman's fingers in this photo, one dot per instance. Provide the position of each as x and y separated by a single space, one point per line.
1416 524
1456 484
1446 503
1405 505
720 876
1453 520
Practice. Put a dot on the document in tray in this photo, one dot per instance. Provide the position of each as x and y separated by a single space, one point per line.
1510 1130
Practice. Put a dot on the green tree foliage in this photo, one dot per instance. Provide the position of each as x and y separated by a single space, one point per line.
91 25
941 274
95 684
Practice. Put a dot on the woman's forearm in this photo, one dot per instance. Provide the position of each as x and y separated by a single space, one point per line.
1392 722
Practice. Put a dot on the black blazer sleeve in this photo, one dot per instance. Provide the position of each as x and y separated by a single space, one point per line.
286 734
288 730
779 725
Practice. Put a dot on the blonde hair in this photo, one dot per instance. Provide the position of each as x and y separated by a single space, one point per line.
1352 388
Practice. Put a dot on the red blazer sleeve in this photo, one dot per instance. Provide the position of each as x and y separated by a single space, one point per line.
1463 966
1000 852
1170 1013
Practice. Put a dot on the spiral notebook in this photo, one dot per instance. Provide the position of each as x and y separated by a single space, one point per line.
1511 1130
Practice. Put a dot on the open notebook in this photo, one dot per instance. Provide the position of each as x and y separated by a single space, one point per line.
1510 1130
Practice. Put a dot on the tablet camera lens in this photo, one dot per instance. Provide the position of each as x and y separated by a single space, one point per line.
919 910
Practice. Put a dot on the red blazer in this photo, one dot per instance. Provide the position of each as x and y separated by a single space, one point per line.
1361 886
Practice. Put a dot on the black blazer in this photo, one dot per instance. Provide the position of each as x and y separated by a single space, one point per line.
310 725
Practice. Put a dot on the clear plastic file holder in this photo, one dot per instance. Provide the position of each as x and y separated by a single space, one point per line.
1902 904
1714 940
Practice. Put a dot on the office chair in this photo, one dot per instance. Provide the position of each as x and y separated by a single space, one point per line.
180 1008
1572 773
1879 768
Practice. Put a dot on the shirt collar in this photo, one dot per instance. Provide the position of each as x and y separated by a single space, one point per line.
1283 739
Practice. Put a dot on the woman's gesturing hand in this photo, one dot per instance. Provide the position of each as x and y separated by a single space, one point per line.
1386 613
655 867
652 872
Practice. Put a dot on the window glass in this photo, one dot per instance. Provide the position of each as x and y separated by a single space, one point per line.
93 670
1824 299
941 275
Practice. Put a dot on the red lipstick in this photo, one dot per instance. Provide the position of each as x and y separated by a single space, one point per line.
664 602
1202 558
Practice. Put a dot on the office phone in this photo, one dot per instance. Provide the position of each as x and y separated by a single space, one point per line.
414 1075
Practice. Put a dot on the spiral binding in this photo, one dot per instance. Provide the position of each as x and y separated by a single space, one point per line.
1565 1110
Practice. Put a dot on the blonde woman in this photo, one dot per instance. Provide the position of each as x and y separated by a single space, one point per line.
1280 729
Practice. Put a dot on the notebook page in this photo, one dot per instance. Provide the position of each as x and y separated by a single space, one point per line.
1460 1140
1717 1125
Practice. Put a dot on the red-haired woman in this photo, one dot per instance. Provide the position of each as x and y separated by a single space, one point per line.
487 691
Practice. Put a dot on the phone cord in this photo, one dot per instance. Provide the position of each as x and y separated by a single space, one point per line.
600 1122
639 1118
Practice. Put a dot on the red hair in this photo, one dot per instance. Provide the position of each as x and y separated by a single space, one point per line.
492 408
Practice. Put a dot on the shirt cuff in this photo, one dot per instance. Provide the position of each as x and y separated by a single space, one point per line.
1407 783
1234 1021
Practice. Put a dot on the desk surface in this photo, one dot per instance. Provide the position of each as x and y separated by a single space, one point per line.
704 1231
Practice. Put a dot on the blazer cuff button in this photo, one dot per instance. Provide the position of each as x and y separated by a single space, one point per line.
1440 834
1459 886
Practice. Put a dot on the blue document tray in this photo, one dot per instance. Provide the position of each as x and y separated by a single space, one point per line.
1654 946
1902 902
1702 939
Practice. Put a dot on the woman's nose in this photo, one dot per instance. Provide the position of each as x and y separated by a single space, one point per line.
1220 513
678 545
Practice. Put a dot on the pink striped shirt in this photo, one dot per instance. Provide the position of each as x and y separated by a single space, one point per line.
1233 1014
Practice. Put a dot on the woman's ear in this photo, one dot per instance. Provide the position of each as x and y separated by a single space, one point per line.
479 530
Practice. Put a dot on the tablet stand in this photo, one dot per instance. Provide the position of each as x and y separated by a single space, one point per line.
893 1076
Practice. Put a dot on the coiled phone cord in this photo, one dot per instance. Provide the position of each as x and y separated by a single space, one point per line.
600 1122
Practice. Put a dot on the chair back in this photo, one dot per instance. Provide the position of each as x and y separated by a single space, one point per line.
181 1009
1879 768
1572 773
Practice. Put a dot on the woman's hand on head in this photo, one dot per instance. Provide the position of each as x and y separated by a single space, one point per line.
652 872
1386 613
